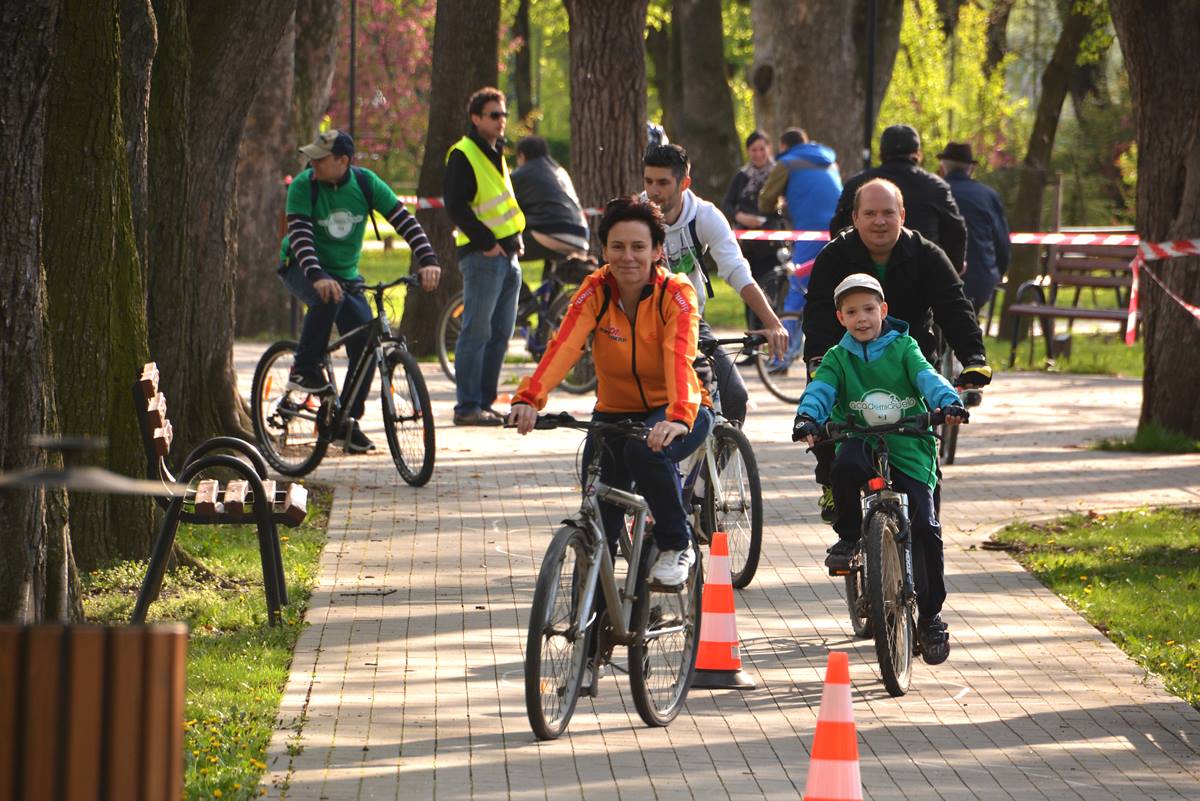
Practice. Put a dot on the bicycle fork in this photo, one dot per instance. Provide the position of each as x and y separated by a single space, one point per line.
897 504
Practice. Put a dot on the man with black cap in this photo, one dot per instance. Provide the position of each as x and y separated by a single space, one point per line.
327 209
930 208
988 246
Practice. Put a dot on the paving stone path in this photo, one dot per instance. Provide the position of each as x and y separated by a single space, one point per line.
406 684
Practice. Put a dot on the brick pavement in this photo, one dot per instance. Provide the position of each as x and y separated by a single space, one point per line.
417 693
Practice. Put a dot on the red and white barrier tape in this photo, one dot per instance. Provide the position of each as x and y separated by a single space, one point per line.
1167 250
1155 251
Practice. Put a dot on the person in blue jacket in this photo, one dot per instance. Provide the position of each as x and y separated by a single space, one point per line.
988 245
806 176
874 376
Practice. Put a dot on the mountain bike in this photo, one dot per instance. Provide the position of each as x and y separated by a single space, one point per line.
881 594
549 302
784 378
659 625
294 429
720 478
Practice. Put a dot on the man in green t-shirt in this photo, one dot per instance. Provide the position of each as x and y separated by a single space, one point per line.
877 375
328 206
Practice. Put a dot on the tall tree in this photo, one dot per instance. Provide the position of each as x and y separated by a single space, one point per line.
666 61
139 40
608 97
1026 215
318 23
464 59
810 68
32 567
997 31
708 131
98 325
523 66
1166 105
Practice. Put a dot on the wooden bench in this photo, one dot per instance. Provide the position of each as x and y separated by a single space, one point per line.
250 498
1074 268
92 712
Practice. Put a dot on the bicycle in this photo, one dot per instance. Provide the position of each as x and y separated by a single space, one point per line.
660 626
949 367
294 429
721 481
786 378
881 594
549 302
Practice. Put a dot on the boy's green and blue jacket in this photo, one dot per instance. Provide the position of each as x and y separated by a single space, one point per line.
878 382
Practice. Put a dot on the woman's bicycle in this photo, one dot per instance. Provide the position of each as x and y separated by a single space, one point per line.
659 625
549 302
294 429
881 595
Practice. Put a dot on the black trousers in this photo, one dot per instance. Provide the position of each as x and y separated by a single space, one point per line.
853 466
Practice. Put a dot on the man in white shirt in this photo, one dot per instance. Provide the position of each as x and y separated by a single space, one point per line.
696 228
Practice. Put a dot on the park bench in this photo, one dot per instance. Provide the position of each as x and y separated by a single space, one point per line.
1071 270
92 712
249 498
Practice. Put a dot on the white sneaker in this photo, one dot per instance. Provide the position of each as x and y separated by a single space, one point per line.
672 567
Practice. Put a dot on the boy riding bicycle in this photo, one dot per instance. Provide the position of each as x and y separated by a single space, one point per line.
877 375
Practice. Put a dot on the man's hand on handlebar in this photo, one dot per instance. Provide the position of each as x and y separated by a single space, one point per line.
523 416
664 433
975 375
430 276
329 290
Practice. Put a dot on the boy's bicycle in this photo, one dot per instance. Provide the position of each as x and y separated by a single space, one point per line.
549 302
294 429
659 625
880 592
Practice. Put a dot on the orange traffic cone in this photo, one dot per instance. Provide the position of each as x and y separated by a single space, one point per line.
833 772
718 664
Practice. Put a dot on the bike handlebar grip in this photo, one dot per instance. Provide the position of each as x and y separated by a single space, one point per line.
754 340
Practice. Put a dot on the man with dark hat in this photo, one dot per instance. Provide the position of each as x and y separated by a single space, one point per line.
928 203
988 246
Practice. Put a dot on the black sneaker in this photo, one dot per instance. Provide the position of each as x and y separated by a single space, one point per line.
839 556
357 441
313 382
935 640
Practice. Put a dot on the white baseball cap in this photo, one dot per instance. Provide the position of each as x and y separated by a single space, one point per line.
857 281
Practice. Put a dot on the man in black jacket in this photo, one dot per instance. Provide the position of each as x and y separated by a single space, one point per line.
918 280
931 210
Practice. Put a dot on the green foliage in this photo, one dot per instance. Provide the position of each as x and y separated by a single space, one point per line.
739 56
237 665
1151 438
1133 575
939 85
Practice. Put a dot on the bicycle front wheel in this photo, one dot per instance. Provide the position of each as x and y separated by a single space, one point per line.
662 657
284 421
407 416
785 379
857 603
449 326
733 502
890 613
949 444
582 377
556 647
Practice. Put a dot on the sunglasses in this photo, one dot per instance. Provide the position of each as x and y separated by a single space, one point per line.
497 115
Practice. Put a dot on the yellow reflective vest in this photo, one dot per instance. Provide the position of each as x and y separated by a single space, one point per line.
494 203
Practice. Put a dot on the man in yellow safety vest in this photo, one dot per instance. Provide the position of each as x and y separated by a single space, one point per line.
479 197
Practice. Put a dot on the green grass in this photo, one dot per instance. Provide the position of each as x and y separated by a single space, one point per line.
1133 575
1151 438
237 665
1091 354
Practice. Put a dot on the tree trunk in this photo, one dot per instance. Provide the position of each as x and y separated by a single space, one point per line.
317 26
139 39
265 156
1026 215
523 67
98 328
997 33
708 132
608 97
27 526
810 67
1166 105
464 59
662 47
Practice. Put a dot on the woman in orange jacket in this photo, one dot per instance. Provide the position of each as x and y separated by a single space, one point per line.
643 321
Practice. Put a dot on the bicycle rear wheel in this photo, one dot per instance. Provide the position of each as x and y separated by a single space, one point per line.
407 416
582 377
449 326
662 657
890 614
739 510
556 647
857 603
285 422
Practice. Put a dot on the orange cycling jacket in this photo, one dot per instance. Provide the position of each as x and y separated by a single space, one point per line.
640 365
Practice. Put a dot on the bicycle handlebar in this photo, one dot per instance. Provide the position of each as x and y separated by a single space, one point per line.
916 425
546 422
709 346
355 288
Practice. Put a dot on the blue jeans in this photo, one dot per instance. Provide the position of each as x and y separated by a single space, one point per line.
353 311
627 460
491 286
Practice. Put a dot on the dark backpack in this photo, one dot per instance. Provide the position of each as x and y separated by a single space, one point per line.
702 259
